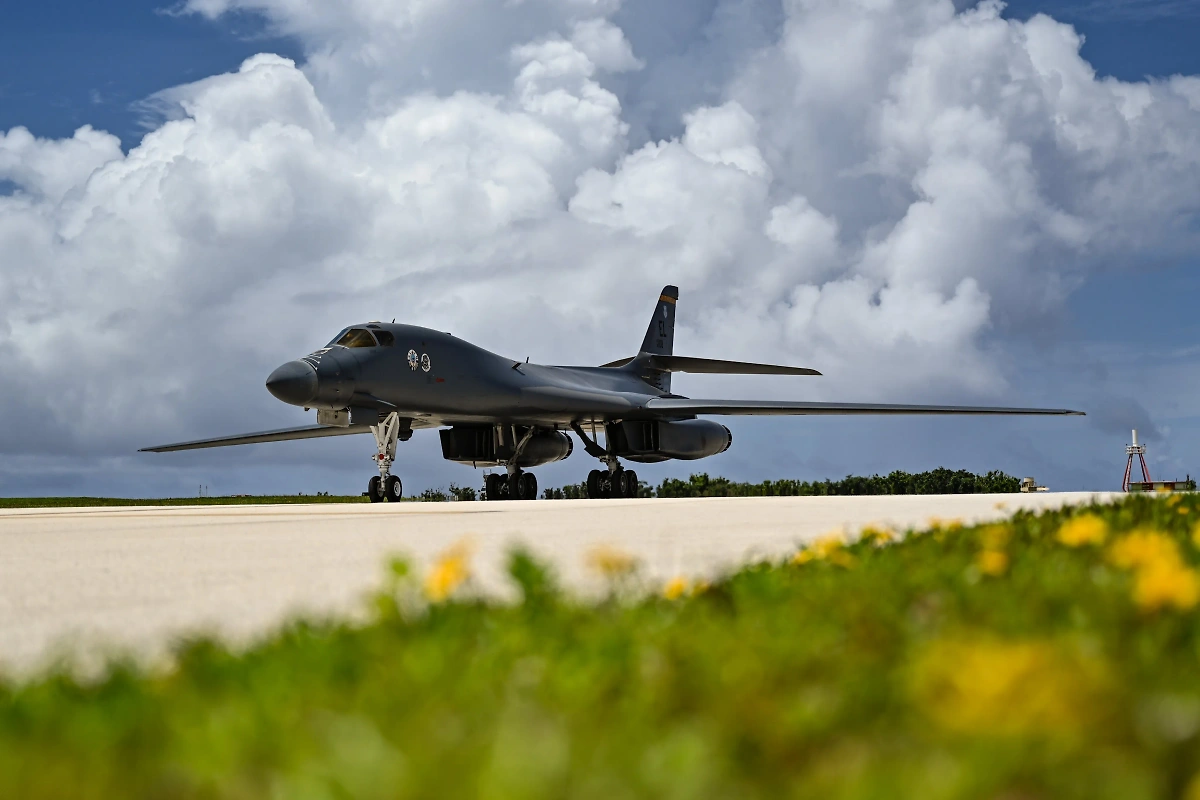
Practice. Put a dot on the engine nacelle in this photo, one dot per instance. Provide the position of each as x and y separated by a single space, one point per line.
489 446
687 440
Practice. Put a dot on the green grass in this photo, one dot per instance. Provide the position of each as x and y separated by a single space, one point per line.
95 502
992 662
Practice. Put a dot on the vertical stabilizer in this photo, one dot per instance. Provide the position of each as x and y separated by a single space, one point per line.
660 335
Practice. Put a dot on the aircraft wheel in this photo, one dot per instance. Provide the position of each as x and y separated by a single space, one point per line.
594 488
394 489
373 491
492 486
629 484
526 486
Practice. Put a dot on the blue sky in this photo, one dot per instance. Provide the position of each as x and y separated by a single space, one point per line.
1124 340
67 63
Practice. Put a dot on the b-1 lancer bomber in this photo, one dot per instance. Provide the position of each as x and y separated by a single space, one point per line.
390 380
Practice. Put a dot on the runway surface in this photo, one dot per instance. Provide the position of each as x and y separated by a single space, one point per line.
89 581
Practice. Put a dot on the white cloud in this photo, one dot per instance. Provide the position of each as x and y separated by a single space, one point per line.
884 190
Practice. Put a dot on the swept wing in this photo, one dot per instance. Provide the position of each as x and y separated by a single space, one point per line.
283 435
709 366
671 406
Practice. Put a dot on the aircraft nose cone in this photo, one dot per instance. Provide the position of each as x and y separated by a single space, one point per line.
295 382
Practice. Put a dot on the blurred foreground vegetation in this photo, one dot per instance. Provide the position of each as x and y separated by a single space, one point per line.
1054 656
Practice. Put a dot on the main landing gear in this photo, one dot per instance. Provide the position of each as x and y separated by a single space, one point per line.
516 485
613 482
385 485
616 481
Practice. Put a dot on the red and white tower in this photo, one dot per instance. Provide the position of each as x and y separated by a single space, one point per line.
1132 450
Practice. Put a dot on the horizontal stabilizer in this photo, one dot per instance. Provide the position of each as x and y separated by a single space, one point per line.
686 407
707 366
309 432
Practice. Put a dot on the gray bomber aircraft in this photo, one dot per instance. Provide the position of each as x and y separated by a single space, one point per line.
390 380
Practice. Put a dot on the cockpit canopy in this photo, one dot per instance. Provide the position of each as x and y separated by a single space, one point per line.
362 337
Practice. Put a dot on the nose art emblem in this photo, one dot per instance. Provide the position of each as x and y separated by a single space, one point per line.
413 361
425 365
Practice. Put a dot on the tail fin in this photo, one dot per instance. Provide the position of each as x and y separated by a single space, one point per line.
660 335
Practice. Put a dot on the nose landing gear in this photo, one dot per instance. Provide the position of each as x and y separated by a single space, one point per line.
385 485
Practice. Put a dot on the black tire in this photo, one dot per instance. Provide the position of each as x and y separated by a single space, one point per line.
373 490
629 484
528 486
594 488
492 486
393 489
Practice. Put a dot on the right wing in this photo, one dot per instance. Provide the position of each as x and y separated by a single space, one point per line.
309 432
713 366
687 407
708 366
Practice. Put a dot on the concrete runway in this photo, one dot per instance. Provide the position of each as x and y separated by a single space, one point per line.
81 583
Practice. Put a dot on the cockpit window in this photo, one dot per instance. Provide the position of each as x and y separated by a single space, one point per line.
357 337
385 338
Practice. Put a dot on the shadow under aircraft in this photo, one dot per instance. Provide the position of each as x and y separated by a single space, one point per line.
390 380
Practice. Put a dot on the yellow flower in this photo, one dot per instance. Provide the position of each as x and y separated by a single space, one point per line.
989 687
1084 529
830 547
942 528
1143 548
611 562
1166 583
1161 579
1196 534
675 588
992 562
449 572
876 536
996 536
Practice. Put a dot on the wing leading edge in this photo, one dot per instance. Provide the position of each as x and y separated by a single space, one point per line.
668 406
286 434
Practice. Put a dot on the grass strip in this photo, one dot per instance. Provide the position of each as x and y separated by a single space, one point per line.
97 502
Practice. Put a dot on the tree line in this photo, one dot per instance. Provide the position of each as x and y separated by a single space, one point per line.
937 481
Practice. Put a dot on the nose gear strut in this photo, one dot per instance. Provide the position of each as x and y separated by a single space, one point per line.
386 486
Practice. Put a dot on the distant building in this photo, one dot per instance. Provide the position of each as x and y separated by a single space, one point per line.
1031 485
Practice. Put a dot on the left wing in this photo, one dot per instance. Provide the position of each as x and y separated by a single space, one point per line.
286 434
686 407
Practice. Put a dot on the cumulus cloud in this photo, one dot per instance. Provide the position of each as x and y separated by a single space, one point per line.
886 190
